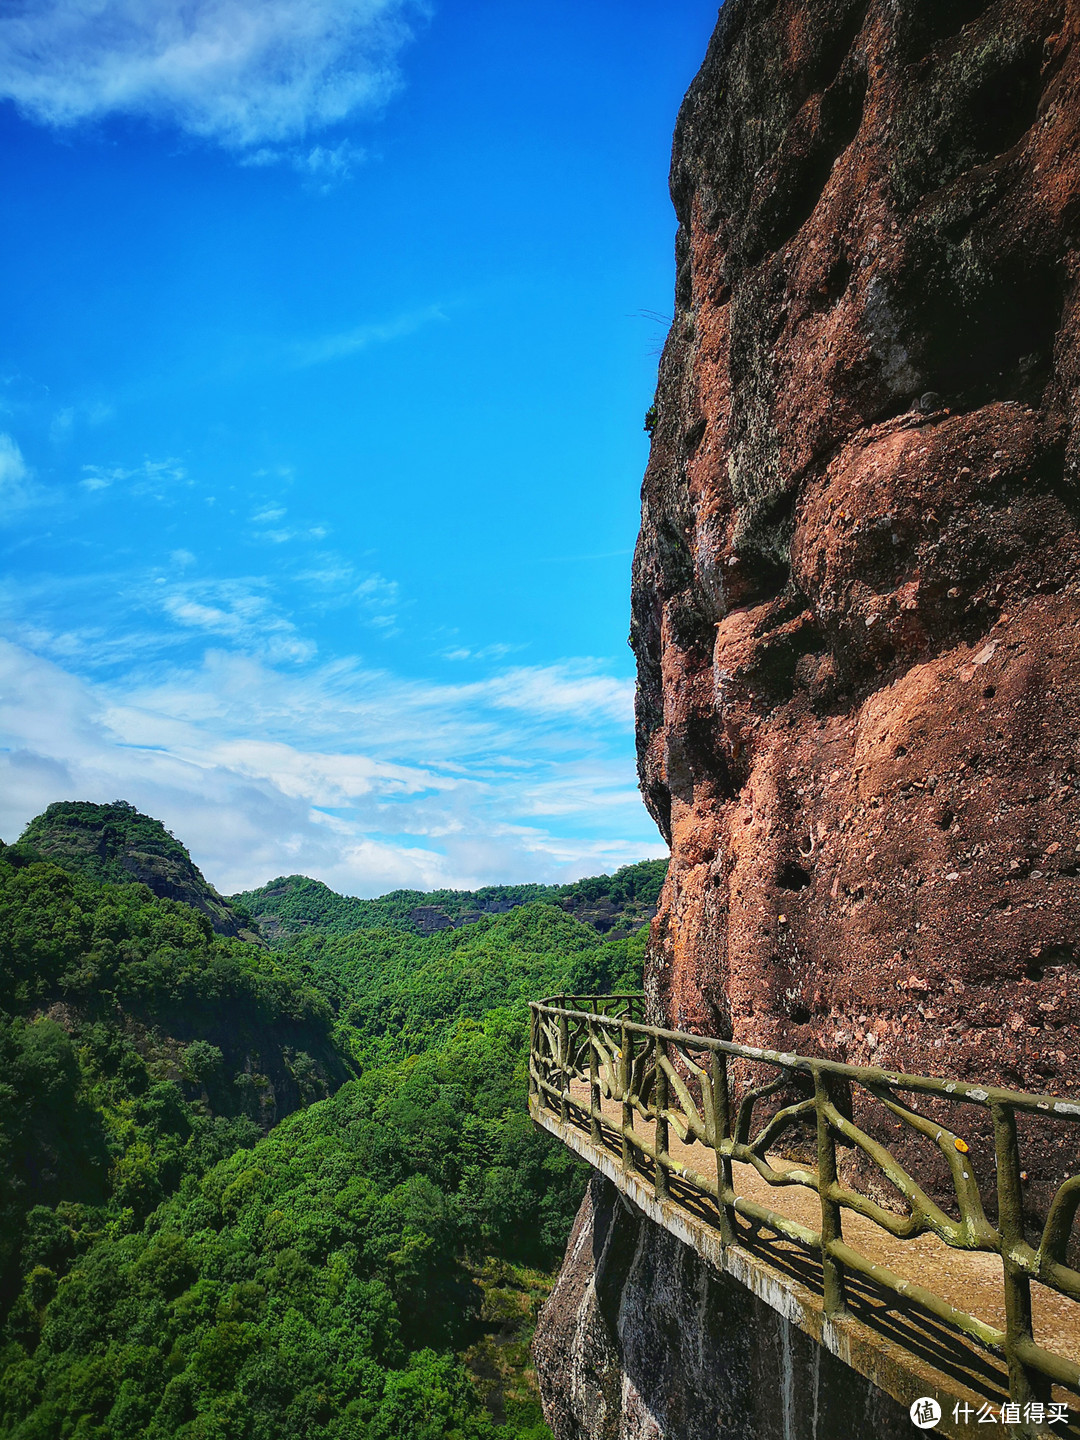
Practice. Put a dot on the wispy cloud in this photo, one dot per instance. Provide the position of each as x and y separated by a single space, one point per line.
483 652
16 488
277 534
241 73
236 610
153 479
65 420
349 342
361 777
564 690
337 584
323 167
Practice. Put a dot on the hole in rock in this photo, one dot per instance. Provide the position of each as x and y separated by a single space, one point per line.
793 876
799 186
839 278
694 435
824 67
835 283
996 341
928 22
1006 104
1048 957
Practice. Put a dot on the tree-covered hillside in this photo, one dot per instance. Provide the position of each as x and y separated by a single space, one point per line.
370 1268
136 1046
117 843
294 905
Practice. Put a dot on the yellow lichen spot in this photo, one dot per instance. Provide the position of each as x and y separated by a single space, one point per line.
962 1146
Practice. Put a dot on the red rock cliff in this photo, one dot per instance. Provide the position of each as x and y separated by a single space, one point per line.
856 615
857 590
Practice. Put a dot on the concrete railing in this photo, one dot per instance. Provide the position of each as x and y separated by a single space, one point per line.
657 1100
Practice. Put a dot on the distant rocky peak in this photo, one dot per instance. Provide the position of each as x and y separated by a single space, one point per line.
117 844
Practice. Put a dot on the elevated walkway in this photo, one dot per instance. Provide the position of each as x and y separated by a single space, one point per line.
844 1235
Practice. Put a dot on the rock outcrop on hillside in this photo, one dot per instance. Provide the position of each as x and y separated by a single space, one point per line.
613 905
856 596
118 844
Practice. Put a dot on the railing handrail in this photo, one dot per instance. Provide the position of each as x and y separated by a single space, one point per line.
652 1071
1054 1106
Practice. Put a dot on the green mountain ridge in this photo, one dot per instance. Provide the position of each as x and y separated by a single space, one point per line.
292 905
136 1046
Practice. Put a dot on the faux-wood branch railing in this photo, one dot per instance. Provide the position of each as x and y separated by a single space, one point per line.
686 1083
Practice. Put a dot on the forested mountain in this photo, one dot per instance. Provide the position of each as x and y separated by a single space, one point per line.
175 1264
136 1046
613 905
116 842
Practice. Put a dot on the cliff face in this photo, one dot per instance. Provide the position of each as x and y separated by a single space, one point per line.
856 599
856 591
641 1341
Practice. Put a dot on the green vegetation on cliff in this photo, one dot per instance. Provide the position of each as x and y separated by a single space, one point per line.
370 1268
136 1046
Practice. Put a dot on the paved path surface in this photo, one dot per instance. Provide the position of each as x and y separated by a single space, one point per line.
968 1280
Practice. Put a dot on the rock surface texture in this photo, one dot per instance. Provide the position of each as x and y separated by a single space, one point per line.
856 602
857 587
641 1340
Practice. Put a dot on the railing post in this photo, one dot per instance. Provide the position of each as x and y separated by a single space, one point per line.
534 1058
1025 1385
832 1272
595 1133
660 1134
626 1077
564 1068
721 1108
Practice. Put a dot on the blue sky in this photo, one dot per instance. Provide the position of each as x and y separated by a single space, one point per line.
326 337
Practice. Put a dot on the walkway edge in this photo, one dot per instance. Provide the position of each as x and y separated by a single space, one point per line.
886 1365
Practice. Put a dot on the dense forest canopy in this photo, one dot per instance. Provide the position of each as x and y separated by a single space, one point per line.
251 1193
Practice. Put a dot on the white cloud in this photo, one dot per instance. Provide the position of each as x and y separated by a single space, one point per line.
235 610
362 778
561 690
14 473
336 584
242 73
485 652
65 420
153 479
349 342
324 167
